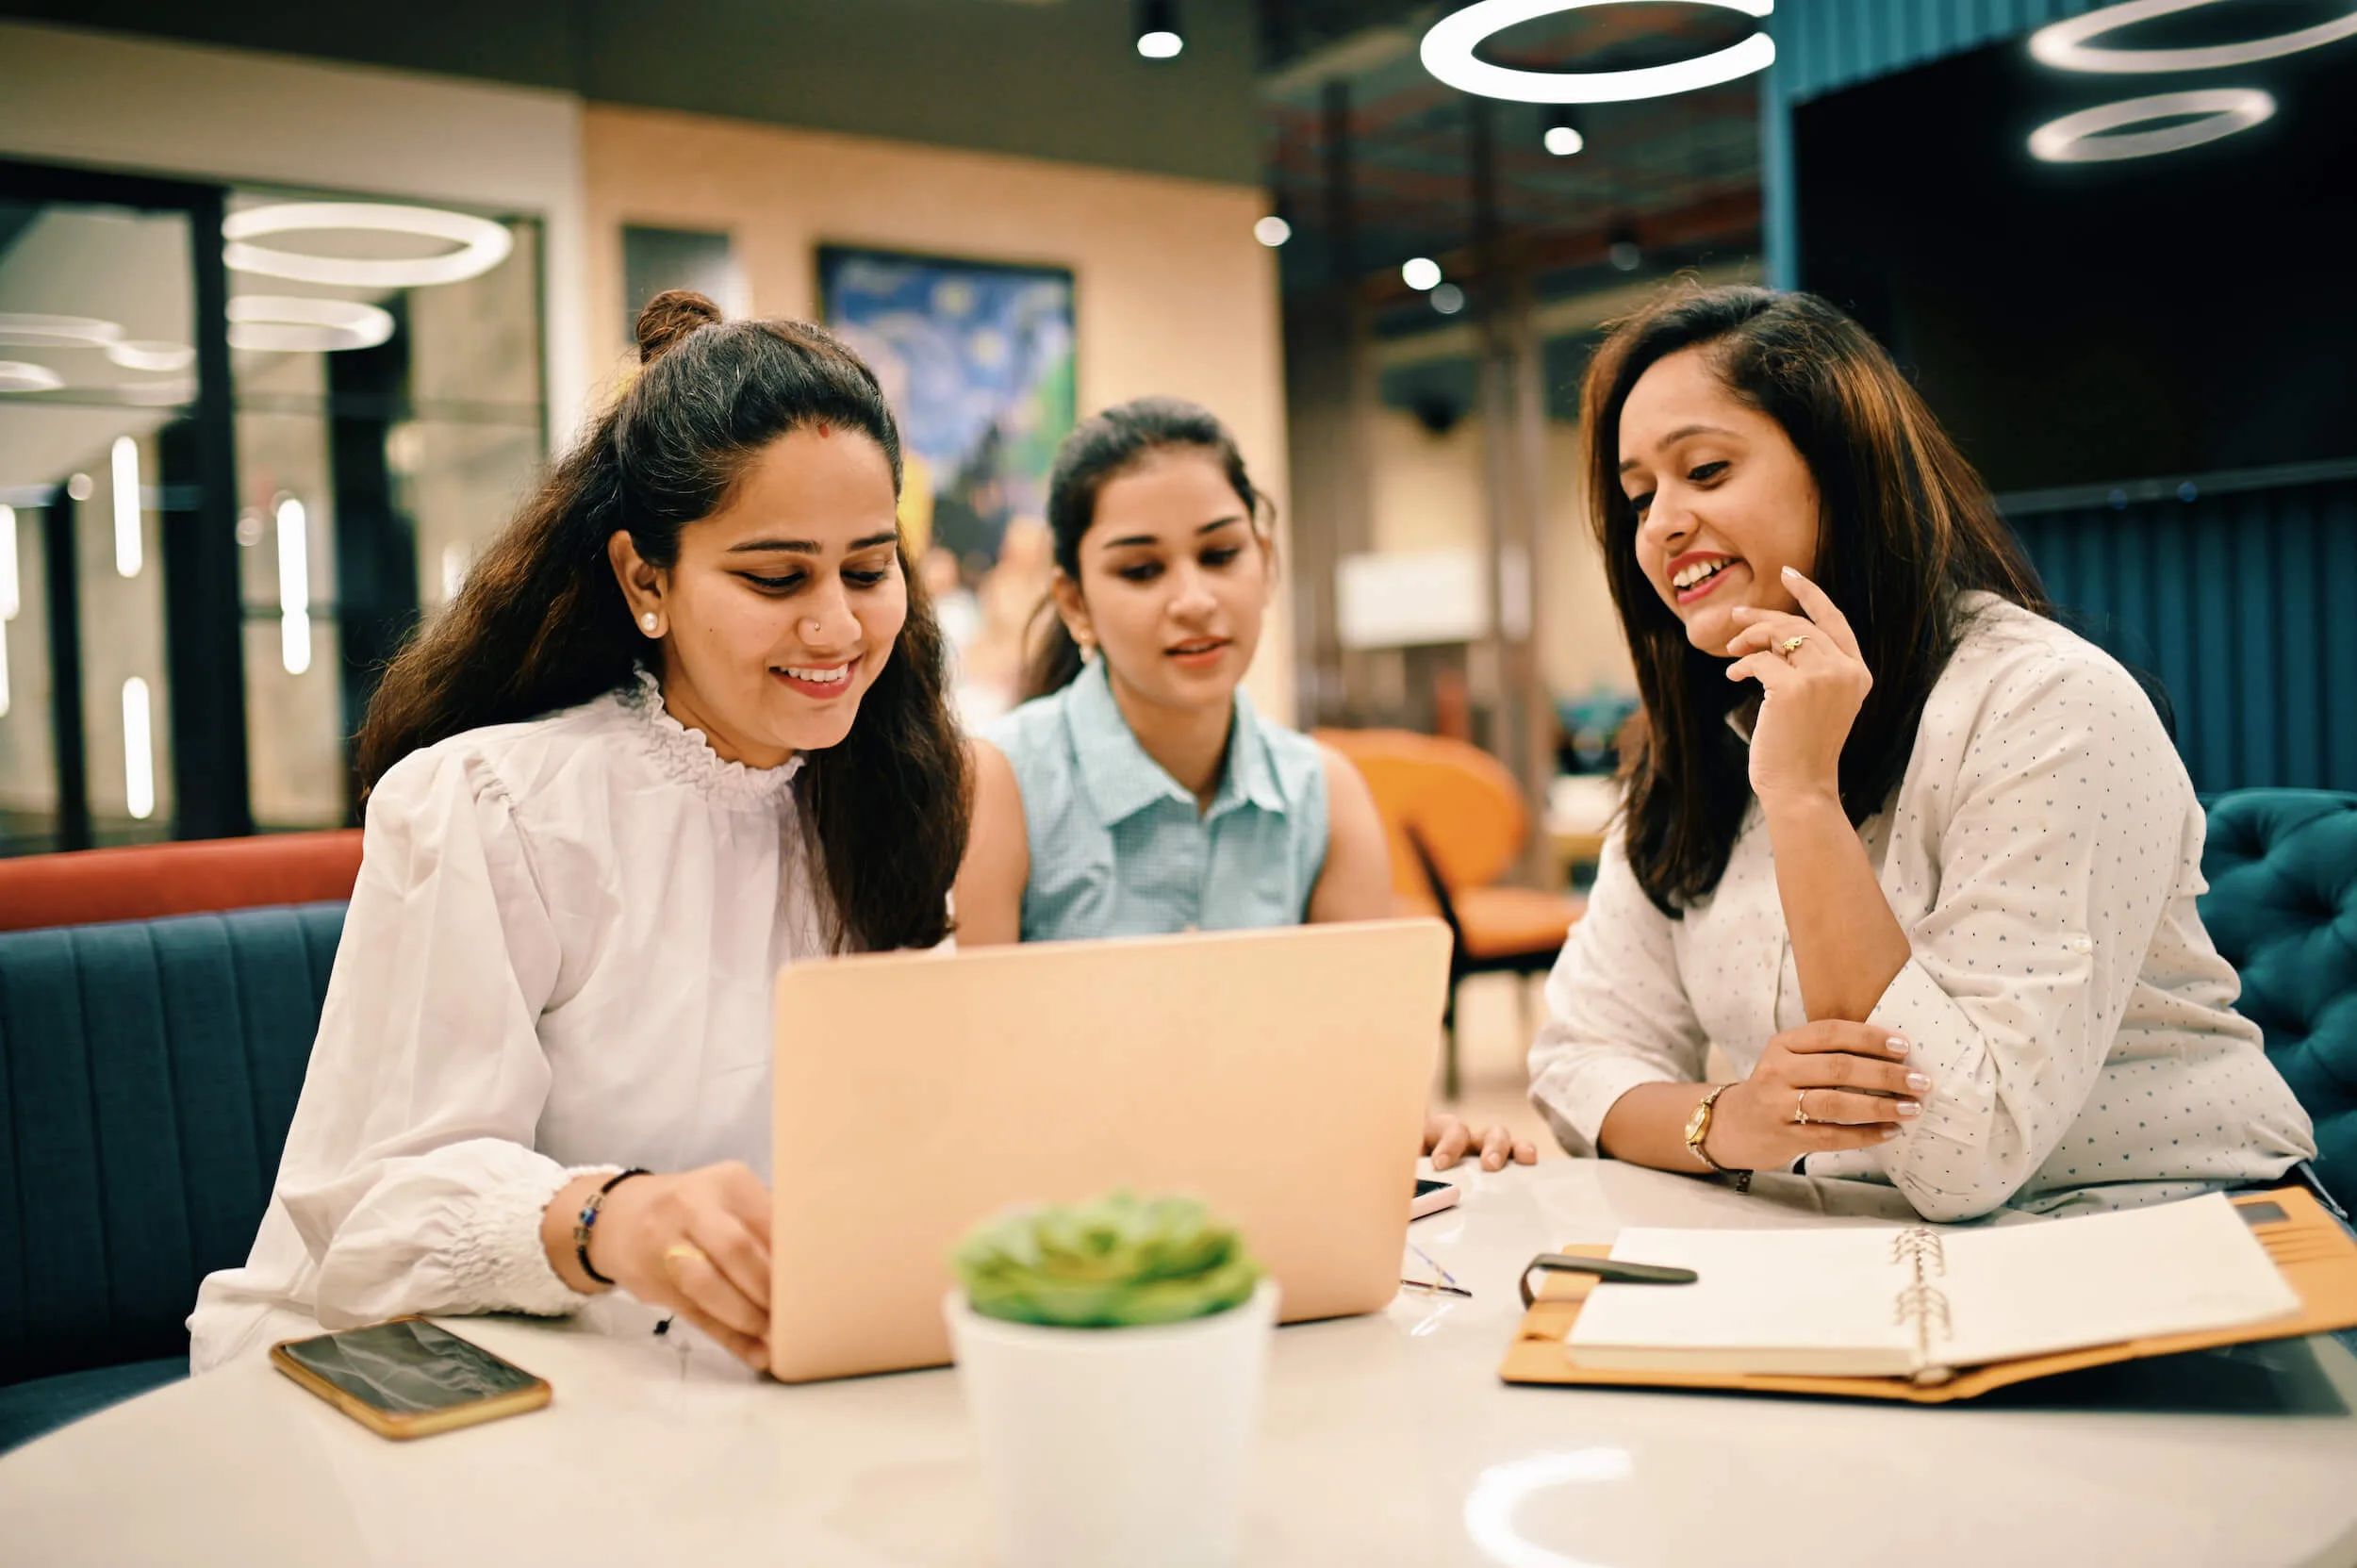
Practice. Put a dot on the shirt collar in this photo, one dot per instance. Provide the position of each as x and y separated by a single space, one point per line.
1120 780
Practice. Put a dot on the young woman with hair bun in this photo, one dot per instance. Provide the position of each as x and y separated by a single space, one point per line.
1139 791
683 724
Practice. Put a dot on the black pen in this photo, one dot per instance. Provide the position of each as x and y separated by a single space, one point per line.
1611 1270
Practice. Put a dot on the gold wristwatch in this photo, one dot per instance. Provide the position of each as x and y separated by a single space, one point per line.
1698 1127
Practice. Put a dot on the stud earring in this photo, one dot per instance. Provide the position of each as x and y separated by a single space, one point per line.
648 622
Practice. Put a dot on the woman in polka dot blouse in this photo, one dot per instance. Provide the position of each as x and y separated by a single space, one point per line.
1918 860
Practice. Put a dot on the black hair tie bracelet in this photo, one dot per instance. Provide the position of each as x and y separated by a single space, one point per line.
588 1221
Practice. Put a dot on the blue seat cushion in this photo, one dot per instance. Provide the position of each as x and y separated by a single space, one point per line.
2282 864
148 1072
43 1405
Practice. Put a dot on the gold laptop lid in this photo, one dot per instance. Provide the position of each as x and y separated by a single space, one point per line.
1280 1075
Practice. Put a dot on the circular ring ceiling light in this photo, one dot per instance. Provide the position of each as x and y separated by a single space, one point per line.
284 323
34 330
1448 54
18 377
2081 138
152 355
482 245
2064 44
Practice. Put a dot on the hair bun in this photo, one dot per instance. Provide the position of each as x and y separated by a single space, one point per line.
669 316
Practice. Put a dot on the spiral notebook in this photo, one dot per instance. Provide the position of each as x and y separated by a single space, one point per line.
1922 1303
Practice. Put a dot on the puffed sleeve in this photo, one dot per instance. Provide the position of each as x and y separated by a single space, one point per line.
409 1172
2070 828
1616 1011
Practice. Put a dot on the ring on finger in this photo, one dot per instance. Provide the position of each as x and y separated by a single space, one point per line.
1792 645
1799 1108
681 1253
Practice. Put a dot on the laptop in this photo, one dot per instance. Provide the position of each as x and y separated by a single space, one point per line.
1281 1076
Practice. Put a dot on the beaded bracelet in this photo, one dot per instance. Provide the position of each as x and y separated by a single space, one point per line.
588 1221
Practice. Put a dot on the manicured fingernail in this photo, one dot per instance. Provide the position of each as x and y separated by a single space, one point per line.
1920 1082
1791 571
1909 1108
1888 1134
1895 1046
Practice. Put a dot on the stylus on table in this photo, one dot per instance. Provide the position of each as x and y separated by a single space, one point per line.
1611 1270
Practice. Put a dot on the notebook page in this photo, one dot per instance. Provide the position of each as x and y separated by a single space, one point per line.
2170 1269
1827 1292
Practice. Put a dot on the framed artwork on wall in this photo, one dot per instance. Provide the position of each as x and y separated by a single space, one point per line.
977 360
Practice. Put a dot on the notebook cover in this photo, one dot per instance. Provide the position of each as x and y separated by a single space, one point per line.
2317 1259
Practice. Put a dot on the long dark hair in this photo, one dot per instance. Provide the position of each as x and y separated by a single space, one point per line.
1103 449
541 624
1904 527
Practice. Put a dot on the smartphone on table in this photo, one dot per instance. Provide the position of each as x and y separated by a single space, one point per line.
409 1377
1431 1198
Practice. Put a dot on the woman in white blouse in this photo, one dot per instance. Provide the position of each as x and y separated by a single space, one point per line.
685 723
1918 860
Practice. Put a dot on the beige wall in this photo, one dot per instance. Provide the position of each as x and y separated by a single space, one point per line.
1172 292
1427 495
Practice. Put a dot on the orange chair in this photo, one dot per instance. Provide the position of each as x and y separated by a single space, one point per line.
86 886
1457 821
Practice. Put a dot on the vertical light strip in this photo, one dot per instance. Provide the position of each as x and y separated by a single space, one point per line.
127 544
294 586
9 602
139 753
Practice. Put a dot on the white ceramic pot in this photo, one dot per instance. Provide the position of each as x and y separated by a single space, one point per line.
1116 1447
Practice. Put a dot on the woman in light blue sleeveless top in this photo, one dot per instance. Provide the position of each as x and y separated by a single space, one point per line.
1138 793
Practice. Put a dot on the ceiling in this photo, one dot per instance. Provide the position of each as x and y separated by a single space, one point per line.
1679 175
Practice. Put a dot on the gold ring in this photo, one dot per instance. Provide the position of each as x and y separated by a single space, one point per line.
680 1252
1791 646
1799 1108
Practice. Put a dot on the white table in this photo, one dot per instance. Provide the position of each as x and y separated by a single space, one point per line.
1384 1440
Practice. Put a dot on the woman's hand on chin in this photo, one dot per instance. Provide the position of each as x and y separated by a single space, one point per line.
1850 1080
698 1243
1447 1139
1809 694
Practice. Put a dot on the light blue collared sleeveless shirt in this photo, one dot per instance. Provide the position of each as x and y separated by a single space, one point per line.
1120 849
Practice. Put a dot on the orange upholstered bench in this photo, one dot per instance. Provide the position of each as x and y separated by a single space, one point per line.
87 886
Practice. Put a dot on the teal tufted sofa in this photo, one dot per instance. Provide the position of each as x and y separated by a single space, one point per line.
2281 865
148 1073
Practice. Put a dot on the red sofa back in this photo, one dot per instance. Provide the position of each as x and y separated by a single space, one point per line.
139 882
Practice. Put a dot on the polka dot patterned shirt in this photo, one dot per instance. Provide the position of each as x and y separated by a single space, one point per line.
2043 853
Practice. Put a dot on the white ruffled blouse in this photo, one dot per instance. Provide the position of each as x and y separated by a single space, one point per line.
559 957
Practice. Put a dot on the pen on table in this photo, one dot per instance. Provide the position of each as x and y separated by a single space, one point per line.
1609 1270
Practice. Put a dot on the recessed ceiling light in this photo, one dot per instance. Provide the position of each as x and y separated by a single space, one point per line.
1272 231
2064 44
285 324
16 375
482 245
1160 45
1563 141
2081 138
1448 299
1448 54
1422 272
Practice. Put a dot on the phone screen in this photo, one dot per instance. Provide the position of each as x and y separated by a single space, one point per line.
408 1368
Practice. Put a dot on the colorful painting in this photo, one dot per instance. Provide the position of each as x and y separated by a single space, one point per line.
977 360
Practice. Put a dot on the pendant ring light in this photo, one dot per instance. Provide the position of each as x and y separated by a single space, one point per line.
2064 44
1448 54
2079 138
287 324
482 245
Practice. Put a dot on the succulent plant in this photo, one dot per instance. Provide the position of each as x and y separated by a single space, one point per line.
1118 1263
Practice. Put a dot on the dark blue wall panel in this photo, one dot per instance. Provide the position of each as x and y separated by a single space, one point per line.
2238 604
